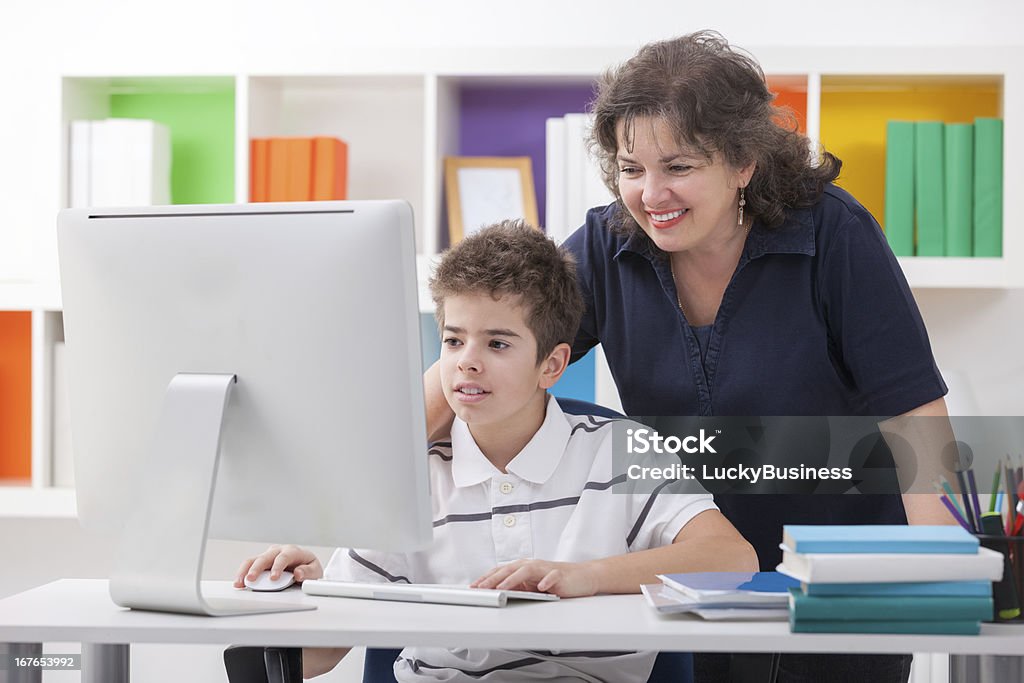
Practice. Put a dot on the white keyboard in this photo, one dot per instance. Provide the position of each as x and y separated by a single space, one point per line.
404 592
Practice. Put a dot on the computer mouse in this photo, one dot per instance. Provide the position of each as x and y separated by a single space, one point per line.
263 582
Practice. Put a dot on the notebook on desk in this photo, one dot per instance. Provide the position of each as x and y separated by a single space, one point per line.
404 592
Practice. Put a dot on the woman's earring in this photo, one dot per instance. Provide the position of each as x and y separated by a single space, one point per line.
743 202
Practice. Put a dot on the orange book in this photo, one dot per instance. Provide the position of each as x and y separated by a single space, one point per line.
300 169
794 99
15 396
277 169
259 150
330 164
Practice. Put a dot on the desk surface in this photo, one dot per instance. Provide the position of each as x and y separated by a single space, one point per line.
81 610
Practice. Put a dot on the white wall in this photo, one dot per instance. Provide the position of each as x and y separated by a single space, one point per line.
976 332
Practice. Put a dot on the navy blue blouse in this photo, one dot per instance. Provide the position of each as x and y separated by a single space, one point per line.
817 319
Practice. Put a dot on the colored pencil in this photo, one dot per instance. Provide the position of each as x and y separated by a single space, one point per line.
966 498
956 515
974 496
1008 484
995 490
949 492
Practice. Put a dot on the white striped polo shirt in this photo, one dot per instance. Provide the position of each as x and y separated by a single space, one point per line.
555 503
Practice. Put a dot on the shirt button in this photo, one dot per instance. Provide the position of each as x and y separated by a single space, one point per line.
510 520
506 487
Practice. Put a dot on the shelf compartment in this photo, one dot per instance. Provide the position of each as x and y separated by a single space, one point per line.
855 110
199 111
381 118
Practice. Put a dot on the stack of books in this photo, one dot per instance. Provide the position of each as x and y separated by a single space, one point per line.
944 188
297 169
888 579
722 595
119 162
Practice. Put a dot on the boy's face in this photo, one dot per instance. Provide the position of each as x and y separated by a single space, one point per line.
489 369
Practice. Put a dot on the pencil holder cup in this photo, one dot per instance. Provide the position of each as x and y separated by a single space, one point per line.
1007 592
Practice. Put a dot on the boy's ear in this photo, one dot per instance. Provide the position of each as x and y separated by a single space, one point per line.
554 365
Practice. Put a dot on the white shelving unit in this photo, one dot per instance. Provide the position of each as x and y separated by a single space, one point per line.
400 114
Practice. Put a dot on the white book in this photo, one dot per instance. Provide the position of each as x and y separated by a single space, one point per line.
108 160
556 225
585 186
987 565
665 601
420 592
149 149
576 128
63 459
130 163
79 153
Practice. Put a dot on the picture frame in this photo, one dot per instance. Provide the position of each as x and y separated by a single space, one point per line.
484 190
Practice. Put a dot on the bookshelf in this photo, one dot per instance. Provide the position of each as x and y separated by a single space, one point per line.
402 112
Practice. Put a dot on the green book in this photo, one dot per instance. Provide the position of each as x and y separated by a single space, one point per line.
959 189
871 608
962 628
988 187
929 188
899 187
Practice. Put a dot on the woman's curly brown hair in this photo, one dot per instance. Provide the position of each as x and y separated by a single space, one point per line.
715 99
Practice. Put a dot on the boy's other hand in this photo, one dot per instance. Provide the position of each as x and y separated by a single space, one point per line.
277 558
564 579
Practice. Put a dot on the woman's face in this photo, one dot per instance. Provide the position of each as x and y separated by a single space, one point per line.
680 199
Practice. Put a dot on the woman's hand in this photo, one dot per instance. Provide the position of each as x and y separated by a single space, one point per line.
564 579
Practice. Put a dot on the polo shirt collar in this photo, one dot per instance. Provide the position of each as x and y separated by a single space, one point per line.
535 463
794 236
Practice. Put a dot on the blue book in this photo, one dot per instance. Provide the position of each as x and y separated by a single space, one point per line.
879 538
879 608
732 587
966 589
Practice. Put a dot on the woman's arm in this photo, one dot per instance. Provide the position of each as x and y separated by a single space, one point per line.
439 414
927 431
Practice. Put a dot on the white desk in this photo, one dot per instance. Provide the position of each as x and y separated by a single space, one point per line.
81 610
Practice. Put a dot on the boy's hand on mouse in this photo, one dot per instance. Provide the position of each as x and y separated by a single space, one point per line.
564 579
277 558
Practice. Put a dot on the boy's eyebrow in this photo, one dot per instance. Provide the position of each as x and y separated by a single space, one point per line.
489 333
501 333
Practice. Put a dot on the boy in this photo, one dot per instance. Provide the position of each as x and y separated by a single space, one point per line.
522 495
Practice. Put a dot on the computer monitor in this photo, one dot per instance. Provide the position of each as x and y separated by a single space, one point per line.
248 372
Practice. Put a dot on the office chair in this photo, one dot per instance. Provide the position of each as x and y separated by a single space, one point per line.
284 665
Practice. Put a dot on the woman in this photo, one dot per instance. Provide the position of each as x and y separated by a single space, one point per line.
730 277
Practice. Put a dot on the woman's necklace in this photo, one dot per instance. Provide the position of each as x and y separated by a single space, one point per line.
672 270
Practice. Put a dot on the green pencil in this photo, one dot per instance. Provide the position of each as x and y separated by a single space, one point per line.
995 490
